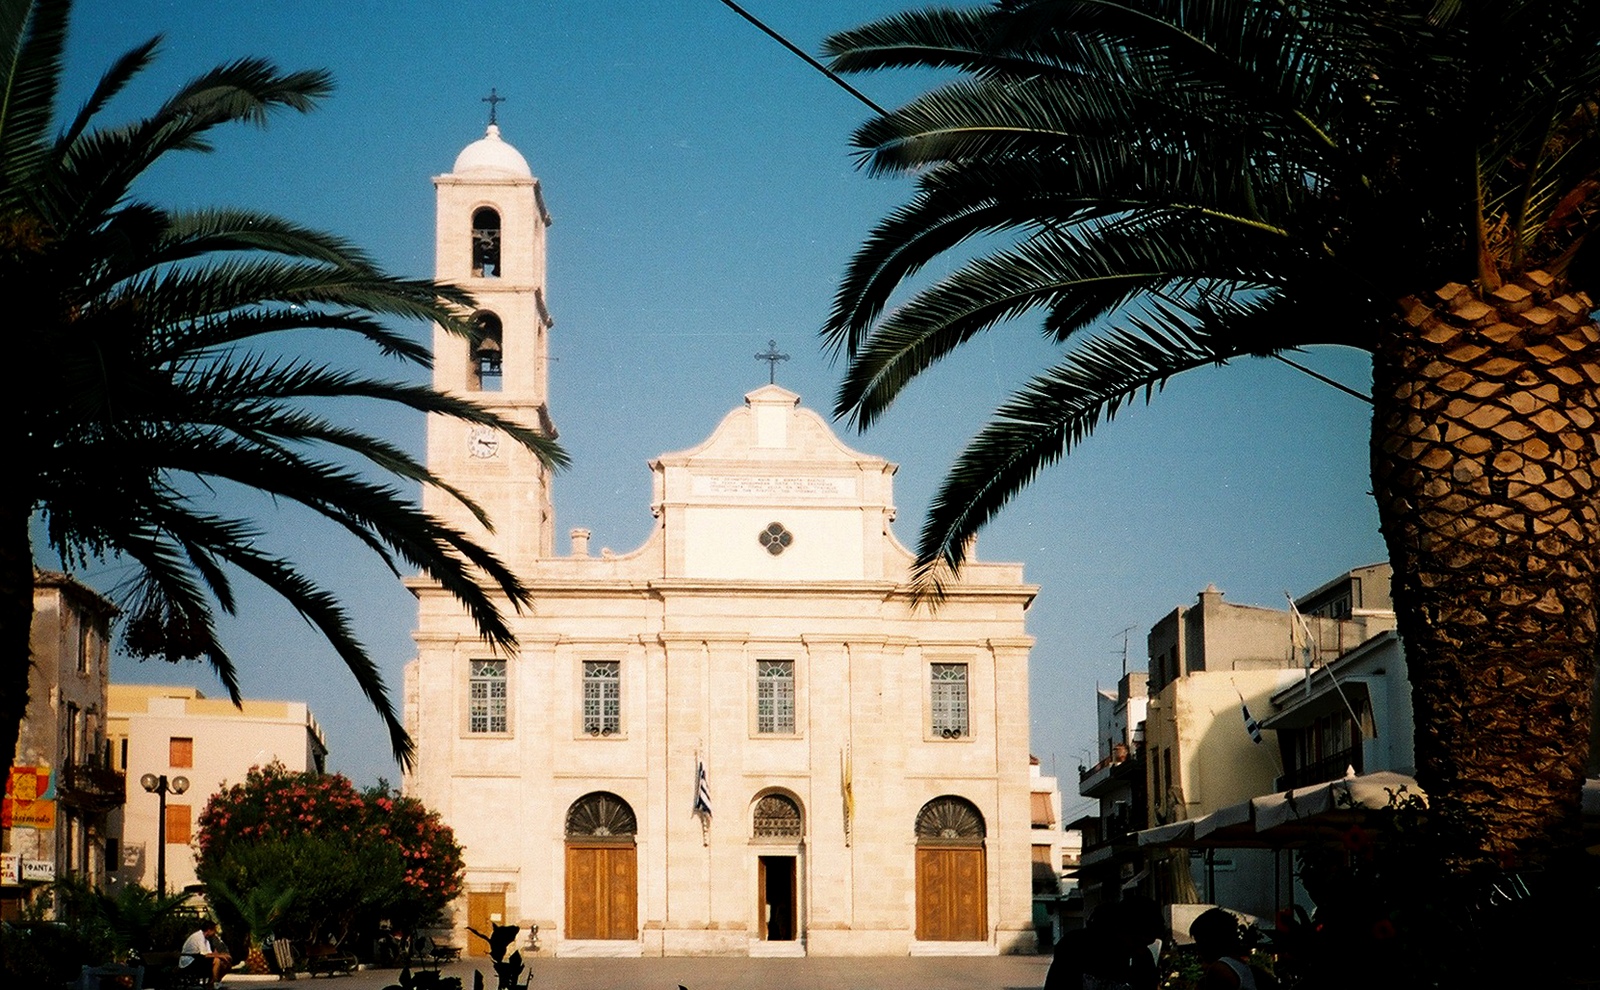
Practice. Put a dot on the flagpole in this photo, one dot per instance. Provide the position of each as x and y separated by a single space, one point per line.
1309 651
847 789
702 799
1295 616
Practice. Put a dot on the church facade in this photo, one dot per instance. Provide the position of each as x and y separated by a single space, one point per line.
740 738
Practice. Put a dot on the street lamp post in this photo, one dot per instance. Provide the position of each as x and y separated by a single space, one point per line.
160 786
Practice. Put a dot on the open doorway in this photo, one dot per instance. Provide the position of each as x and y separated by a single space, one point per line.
777 907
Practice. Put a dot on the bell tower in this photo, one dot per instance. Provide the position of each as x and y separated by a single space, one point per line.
490 240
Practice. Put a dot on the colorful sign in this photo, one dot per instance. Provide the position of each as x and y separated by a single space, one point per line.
10 869
27 814
30 799
31 784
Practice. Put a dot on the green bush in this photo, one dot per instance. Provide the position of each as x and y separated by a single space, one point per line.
49 953
351 858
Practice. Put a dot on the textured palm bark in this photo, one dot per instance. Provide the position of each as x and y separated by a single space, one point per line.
16 624
1484 463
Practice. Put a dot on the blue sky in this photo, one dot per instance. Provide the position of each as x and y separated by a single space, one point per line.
705 201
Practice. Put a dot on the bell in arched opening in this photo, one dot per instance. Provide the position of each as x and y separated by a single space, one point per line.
487 352
485 243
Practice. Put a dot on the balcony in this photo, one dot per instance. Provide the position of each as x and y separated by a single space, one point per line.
1321 771
92 787
1111 775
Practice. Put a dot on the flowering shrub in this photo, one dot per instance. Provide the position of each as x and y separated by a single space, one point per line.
352 857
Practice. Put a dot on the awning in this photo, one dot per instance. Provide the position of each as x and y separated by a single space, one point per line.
1173 834
1226 825
1044 816
1313 814
1336 803
1304 815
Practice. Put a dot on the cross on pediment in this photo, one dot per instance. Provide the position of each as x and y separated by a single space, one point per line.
772 357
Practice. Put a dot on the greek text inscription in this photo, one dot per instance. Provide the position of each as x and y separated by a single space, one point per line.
769 486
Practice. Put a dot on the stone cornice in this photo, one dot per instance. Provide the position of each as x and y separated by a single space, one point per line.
663 588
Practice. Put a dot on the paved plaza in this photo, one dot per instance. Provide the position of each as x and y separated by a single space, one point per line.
811 973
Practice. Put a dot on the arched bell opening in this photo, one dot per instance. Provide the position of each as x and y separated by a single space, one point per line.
484 374
485 243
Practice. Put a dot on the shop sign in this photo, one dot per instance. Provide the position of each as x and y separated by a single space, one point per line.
30 799
42 870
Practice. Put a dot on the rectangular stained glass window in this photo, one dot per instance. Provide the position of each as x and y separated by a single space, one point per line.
486 704
602 697
775 697
949 699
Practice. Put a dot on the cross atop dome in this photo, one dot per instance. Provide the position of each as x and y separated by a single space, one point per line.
493 99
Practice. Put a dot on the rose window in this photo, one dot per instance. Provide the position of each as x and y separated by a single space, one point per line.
775 538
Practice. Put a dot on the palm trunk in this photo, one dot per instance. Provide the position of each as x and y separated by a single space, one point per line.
1484 466
16 625
255 961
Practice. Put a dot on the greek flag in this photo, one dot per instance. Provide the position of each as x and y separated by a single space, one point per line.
1250 724
702 791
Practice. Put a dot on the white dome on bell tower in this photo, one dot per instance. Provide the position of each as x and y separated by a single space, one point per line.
490 156
490 240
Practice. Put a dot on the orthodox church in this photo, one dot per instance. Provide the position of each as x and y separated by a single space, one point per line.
741 738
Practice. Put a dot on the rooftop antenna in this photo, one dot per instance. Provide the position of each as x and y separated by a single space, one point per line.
1124 635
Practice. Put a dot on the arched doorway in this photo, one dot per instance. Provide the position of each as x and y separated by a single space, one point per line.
952 882
777 830
602 869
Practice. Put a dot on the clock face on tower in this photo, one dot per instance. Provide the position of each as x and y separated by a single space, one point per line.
483 442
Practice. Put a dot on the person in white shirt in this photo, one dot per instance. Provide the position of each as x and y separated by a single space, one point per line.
198 951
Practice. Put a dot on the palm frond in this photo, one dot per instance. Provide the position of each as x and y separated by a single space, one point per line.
938 37
115 79
1082 273
183 368
33 36
1061 408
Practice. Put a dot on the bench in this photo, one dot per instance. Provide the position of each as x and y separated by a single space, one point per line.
110 976
329 960
447 953
162 972
426 953
283 955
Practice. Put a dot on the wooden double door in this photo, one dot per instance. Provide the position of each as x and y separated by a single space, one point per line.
602 891
952 894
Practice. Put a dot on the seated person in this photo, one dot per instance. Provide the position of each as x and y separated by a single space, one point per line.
1117 951
198 951
1219 939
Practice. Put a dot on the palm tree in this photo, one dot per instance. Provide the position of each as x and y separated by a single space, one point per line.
164 355
1175 185
259 909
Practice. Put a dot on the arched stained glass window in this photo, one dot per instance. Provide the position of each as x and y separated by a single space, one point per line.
777 816
600 815
950 818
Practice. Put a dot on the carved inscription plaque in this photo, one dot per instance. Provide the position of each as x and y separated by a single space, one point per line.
773 486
